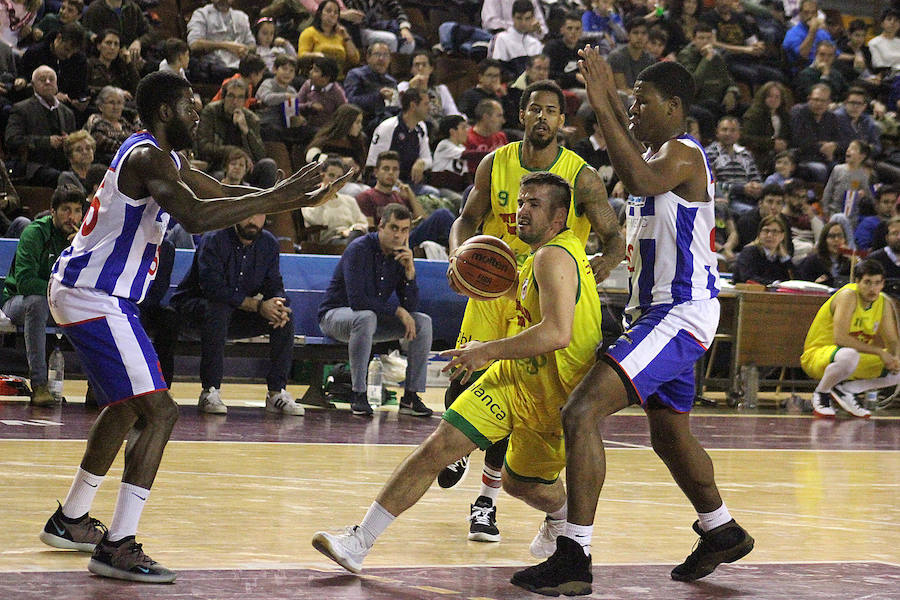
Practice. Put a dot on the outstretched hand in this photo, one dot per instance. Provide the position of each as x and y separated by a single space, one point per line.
598 76
306 185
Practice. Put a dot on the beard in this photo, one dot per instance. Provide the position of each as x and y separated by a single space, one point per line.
179 135
540 143
250 233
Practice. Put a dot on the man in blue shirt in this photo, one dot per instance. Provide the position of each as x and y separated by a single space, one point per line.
801 40
372 297
234 289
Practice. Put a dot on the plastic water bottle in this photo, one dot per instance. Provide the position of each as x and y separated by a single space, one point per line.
56 373
374 381
871 401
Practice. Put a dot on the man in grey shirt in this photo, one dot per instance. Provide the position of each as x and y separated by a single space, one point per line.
629 60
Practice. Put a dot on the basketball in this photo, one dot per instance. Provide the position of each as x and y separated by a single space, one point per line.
484 268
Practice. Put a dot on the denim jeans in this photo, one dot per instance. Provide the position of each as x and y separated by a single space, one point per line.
360 328
32 312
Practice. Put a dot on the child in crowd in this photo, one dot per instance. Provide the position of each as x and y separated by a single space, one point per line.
848 187
785 167
267 45
449 169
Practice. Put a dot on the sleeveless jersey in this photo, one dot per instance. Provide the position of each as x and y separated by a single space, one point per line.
506 172
670 246
863 324
116 248
545 381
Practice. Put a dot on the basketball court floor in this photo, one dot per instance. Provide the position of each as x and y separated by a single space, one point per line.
238 498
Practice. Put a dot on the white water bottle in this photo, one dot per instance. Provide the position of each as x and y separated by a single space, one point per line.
56 373
374 381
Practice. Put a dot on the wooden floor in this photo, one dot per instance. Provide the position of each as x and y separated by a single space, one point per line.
239 497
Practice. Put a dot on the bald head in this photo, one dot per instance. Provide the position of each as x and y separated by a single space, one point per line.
43 79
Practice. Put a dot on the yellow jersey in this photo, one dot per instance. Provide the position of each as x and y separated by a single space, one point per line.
544 382
863 324
506 172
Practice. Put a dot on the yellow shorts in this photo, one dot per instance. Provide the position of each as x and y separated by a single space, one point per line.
486 320
816 359
485 413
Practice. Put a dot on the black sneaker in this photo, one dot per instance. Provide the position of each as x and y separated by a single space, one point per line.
72 534
726 543
411 404
359 404
567 571
454 473
483 521
125 559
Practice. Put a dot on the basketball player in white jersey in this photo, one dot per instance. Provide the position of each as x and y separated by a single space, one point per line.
94 290
670 319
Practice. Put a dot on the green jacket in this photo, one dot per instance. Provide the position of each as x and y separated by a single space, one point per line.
39 246
711 77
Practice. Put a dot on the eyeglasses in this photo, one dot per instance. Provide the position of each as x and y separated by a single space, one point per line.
380 54
834 236
855 102
771 231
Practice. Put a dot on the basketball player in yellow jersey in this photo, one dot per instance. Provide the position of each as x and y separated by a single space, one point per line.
520 395
491 205
851 346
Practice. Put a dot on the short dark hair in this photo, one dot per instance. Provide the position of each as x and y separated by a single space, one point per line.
786 154
864 148
572 15
95 174
702 27
546 85
386 155
448 123
485 106
636 22
793 186
772 189
334 161
173 48
857 91
395 211
869 267
156 89
671 80
487 63
327 65
888 189
106 32
286 59
66 193
72 32
659 35
521 7
562 191
889 12
408 97
856 25
250 64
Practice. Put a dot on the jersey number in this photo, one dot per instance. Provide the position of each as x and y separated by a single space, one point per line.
93 215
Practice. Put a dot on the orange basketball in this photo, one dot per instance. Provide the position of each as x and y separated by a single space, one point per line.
485 267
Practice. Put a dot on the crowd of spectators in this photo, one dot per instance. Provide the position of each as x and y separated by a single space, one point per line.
796 105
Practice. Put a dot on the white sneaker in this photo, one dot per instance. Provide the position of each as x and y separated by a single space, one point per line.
282 402
544 543
210 402
347 548
822 406
848 402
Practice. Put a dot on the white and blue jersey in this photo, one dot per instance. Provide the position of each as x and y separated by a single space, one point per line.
670 247
97 282
672 311
116 248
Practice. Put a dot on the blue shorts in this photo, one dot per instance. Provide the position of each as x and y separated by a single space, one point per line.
655 356
115 352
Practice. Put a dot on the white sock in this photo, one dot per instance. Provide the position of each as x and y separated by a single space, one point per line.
129 507
561 514
711 520
858 386
491 481
841 368
81 494
375 522
581 534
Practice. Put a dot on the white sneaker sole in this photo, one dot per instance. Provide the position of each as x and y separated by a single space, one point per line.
859 413
64 544
104 570
212 410
483 537
294 412
323 543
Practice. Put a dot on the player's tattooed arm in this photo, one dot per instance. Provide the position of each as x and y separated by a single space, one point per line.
591 200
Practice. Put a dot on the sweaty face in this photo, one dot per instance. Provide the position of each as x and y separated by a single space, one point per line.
542 118
648 111
182 124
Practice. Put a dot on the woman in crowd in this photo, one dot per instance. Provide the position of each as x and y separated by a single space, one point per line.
440 99
111 127
766 128
79 147
342 137
237 165
328 37
766 258
112 67
827 265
